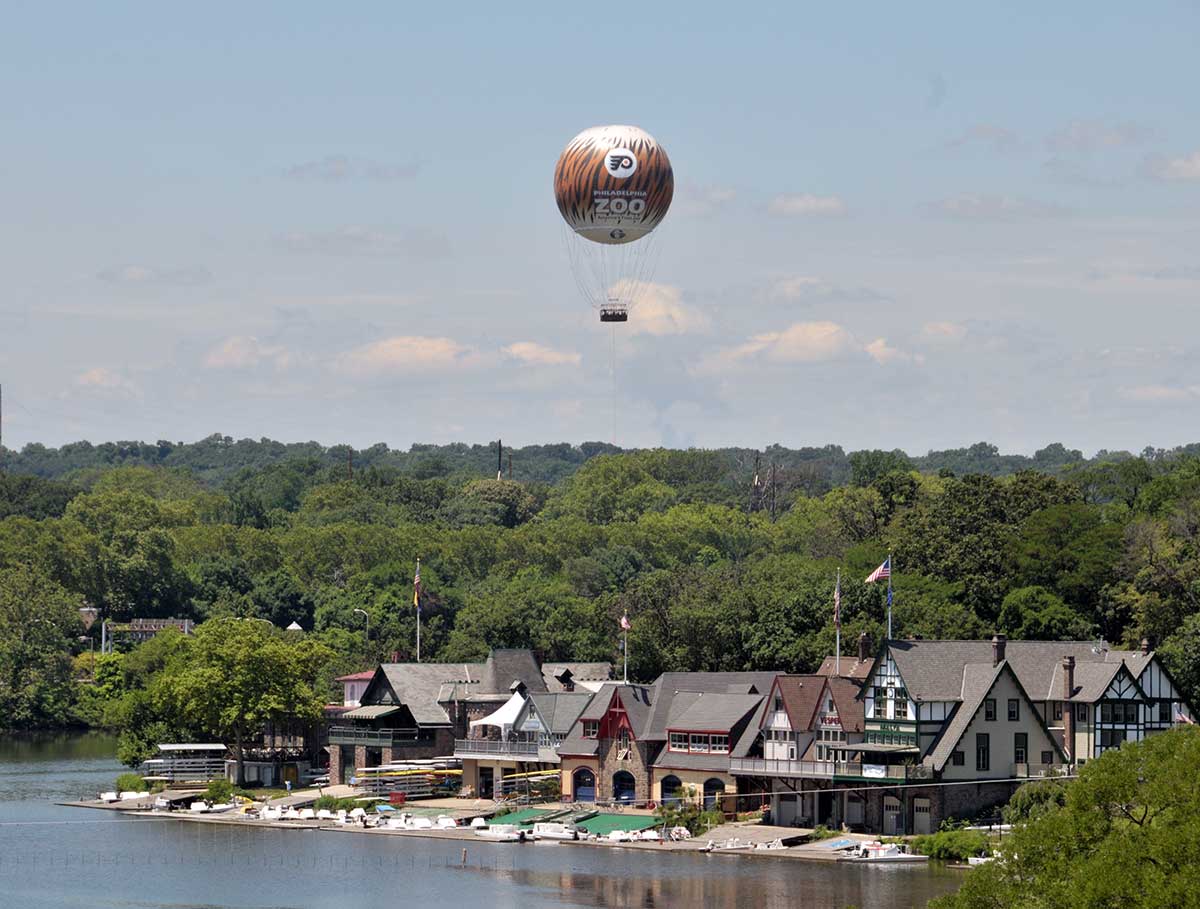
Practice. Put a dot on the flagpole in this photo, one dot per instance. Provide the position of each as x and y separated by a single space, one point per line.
889 595
837 625
417 603
625 648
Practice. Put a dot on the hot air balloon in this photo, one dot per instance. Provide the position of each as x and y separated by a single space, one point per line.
613 186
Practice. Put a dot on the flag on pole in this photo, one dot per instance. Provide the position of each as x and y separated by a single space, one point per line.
837 602
883 571
1181 717
417 587
625 622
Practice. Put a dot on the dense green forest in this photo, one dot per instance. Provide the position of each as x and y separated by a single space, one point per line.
721 563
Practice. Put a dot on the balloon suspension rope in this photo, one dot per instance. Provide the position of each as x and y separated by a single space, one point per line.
612 368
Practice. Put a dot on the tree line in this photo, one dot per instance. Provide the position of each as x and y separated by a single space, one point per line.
716 569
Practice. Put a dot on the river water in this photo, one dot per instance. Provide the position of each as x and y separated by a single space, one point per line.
52 856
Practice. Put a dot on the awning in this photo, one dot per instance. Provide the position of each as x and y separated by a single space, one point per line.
505 716
873 747
373 712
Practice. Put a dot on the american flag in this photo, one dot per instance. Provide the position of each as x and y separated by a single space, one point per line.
417 587
625 623
883 571
837 602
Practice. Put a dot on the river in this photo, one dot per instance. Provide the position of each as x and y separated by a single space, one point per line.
53 857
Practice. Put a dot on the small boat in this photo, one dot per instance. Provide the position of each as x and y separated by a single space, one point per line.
162 804
203 807
502 833
445 822
110 797
131 795
774 844
478 823
553 830
679 833
648 836
619 836
880 853
307 814
980 859
267 813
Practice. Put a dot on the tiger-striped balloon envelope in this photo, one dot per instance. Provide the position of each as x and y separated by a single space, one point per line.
613 184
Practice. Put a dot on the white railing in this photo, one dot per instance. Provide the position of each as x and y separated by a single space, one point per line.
492 748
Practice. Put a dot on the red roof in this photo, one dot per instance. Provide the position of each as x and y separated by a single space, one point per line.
365 676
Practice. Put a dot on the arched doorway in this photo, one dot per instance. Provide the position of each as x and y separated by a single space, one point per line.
623 786
583 785
671 788
713 788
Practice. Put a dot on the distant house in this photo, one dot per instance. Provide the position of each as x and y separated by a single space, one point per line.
950 727
411 711
669 740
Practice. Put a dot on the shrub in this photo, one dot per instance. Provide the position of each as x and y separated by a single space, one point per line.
952 845
1032 800
130 782
219 792
821 832
332 803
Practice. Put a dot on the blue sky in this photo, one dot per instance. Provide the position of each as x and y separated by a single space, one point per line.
910 227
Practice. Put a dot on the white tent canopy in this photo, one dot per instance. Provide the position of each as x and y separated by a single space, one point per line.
504 717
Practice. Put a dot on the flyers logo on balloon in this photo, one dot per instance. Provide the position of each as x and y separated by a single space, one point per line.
620 162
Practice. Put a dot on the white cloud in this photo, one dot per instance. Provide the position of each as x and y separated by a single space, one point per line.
801 342
700 201
108 381
806 287
1086 136
1185 168
883 353
340 168
539 355
990 207
244 352
156 276
943 331
658 309
404 354
807 204
1160 394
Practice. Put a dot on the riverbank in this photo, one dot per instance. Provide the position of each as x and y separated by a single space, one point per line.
737 838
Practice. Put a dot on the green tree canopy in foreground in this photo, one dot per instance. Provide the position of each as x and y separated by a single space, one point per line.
236 674
1128 836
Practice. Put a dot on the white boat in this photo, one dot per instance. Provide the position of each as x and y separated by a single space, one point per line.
110 797
980 859
130 796
478 823
648 836
619 836
307 814
270 814
445 822
680 833
553 830
774 844
161 804
203 807
502 833
880 853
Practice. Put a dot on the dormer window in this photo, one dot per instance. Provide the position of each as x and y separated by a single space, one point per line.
591 729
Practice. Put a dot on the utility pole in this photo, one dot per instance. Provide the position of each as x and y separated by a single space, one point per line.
754 485
350 462
499 459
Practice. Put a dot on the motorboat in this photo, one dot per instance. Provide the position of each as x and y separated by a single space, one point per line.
648 836
110 796
445 822
877 852
773 845
130 795
478 823
203 807
679 833
553 830
502 833
267 813
980 859
619 836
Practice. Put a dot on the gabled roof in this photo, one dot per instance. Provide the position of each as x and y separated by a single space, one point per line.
509 665
850 668
365 675
667 685
850 707
420 687
932 670
978 680
801 698
559 709
580 674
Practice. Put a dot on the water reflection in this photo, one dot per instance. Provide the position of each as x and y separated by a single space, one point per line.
53 857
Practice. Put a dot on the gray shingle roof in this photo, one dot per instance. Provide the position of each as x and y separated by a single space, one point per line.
667 684
700 711
505 666
975 681
580 672
559 710
420 686
932 670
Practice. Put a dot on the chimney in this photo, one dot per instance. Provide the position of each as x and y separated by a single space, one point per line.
1145 645
864 645
1068 665
998 643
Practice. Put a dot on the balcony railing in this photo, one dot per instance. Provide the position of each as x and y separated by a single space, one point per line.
387 738
827 770
1037 770
493 748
